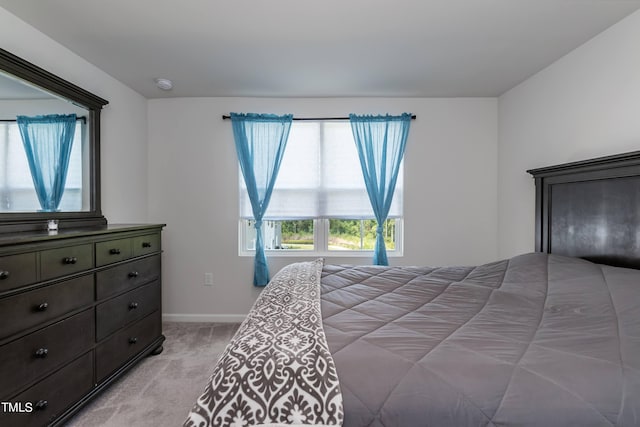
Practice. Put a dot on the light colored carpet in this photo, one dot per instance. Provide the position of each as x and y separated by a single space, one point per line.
161 389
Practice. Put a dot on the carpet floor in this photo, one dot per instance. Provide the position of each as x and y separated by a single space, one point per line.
161 389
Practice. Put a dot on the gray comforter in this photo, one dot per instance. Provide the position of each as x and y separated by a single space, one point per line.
537 340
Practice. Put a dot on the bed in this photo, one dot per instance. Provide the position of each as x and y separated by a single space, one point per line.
548 338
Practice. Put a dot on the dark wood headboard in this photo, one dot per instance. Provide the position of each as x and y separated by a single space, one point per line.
591 209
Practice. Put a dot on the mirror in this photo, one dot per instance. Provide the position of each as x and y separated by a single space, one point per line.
31 93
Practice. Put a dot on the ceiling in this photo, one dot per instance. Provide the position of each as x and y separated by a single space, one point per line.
329 48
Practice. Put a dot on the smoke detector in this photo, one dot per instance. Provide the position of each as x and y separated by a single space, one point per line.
164 84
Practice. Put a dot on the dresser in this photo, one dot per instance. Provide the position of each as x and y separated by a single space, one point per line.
78 308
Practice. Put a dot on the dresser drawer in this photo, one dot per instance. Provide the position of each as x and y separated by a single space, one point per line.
39 353
112 251
53 395
124 309
127 276
17 270
62 261
28 309
143 245
125 344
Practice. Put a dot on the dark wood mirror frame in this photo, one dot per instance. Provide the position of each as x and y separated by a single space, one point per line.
29 221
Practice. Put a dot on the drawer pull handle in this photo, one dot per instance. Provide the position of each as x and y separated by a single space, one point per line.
133 340
41 353
115 251
41 404
43 306
146 244
4 275
133 305
70 260
133 274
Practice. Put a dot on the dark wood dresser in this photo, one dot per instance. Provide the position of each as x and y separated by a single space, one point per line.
78 308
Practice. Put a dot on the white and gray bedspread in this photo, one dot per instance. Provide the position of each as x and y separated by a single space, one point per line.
277 370
536 340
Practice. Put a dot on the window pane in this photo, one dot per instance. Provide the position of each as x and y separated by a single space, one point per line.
289 235
297 234
356 234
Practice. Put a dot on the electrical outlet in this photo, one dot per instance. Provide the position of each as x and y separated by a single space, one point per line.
208 279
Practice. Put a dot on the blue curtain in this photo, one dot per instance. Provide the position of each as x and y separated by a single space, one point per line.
381 142
47 143
260 143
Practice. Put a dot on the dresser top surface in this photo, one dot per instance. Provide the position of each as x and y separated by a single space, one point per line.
7 239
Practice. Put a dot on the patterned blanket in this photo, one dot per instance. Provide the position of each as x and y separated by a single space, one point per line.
277 370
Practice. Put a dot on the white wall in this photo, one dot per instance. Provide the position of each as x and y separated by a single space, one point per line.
585 105
124 120
450 191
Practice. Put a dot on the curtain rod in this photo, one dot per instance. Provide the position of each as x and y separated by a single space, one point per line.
83 118
316 119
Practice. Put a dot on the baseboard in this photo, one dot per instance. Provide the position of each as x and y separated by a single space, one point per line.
208 318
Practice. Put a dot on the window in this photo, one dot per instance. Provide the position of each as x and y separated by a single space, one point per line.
320 203
17 192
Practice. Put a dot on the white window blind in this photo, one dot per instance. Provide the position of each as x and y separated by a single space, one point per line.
320 177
